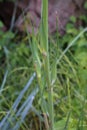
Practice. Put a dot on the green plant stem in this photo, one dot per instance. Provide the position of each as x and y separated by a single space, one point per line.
44 44
71 44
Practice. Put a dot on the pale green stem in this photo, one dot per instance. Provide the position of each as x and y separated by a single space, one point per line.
44 42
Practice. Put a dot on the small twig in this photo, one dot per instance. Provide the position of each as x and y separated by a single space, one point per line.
23 12
13 16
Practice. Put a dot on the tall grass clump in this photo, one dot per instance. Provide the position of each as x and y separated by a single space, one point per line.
58 82
47 71
40 52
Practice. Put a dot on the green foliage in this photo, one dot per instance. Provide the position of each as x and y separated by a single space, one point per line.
67 70
85 5
1 24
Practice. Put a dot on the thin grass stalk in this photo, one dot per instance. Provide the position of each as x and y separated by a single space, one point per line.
72 43
45 53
